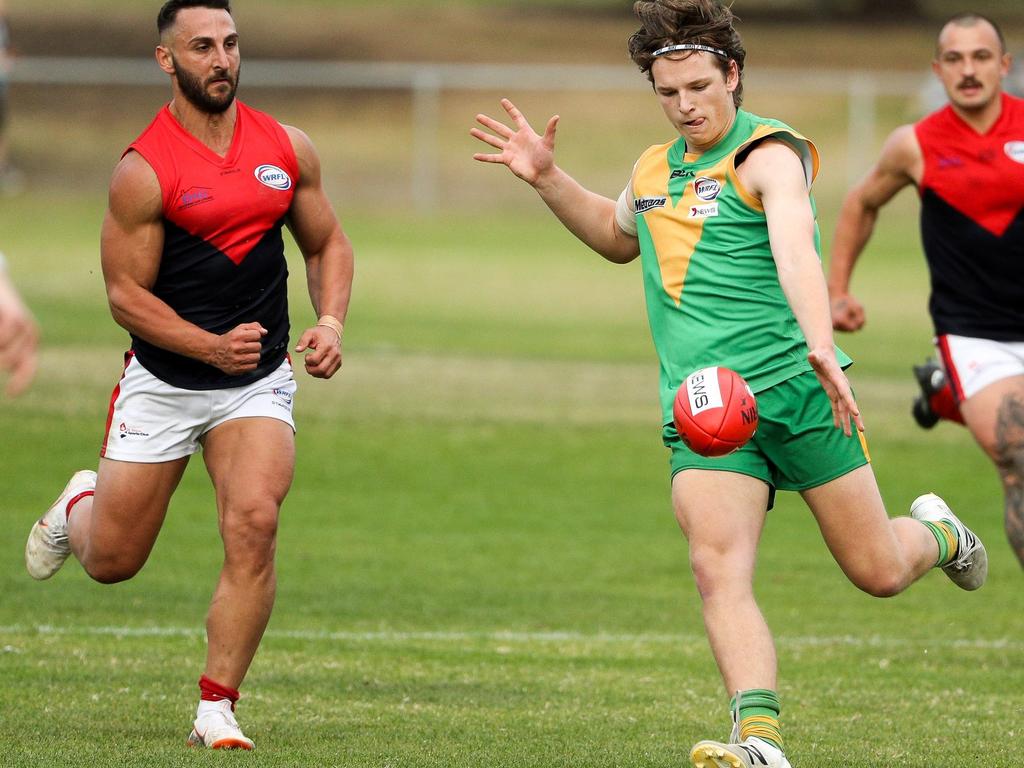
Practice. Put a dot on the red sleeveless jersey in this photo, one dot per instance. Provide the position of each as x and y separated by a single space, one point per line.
223 254
972 222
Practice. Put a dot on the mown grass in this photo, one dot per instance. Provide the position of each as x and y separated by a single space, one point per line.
478 562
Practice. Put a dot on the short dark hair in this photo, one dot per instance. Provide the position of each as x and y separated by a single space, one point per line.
969 19
701 22
169 11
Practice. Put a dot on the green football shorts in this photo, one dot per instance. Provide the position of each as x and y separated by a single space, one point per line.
796 446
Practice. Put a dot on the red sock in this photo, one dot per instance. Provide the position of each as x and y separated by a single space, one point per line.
944 405
75 500
210 690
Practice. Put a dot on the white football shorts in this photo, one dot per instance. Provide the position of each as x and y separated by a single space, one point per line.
150 421
972 364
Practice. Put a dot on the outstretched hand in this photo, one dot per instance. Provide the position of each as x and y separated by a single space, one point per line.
837 387
526 153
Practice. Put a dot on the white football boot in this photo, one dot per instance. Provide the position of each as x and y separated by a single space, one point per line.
752 753
969 568
217 728
48 546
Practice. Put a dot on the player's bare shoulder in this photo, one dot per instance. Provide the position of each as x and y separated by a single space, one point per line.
305 153
135 189
771 163
901 157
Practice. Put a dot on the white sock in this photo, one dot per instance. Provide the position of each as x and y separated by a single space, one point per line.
205 707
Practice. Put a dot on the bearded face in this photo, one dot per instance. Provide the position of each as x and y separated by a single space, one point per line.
212 94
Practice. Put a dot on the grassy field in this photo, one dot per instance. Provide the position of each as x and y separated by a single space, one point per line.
478 560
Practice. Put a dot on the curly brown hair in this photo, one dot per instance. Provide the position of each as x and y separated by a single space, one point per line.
670 22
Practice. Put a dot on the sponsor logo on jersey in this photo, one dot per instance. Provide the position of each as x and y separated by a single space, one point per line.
707 189
681 173
644 204
703 390
273 177
704 211
194 196
1015 150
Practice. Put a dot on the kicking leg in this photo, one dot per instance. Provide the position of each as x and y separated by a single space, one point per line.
884 556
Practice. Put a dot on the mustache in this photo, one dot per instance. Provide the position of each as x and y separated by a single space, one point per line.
969 82
218 76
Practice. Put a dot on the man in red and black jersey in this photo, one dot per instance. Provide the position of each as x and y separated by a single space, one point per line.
967 162
194 264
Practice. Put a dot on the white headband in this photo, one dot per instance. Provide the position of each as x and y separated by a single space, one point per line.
690 47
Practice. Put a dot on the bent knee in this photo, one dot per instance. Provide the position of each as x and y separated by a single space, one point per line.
111 571
880 584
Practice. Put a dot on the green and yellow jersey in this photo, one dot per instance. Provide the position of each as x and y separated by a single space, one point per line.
711 283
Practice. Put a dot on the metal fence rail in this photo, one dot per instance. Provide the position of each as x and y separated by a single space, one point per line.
426 81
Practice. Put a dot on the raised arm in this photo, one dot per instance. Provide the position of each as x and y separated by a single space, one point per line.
131 243
899 165
329 261
531 157
773 172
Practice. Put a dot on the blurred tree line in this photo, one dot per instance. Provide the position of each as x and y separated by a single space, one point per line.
864 11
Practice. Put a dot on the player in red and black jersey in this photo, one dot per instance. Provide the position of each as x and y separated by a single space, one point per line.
194 264
967 162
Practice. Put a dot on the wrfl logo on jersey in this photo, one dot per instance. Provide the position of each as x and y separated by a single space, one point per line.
1015 150
706 189
644 204
273 177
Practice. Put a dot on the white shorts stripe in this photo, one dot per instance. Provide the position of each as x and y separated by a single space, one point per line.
972 364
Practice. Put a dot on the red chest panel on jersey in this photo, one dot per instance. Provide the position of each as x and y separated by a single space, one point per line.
980 175
230 202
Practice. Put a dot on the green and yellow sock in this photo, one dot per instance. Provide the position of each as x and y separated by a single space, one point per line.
758 715
945 535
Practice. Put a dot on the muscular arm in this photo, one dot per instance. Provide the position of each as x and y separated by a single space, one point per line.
328 255
773 172
899 165
589 216
131 243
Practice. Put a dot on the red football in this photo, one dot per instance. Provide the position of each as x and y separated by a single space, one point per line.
715 411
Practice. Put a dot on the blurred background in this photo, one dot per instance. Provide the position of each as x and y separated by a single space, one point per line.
395 85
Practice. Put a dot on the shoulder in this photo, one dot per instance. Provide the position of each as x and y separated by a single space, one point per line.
300 142
772 139
134 188
305 153
655 152
902 149
774 154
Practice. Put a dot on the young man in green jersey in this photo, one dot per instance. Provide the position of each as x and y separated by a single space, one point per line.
723 221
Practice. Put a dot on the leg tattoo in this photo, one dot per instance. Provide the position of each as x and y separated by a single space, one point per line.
1010 462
